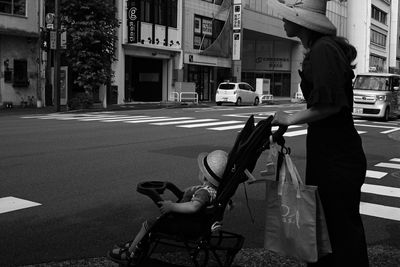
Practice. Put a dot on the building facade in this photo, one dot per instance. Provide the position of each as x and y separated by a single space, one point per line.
149 51
373 27
20 52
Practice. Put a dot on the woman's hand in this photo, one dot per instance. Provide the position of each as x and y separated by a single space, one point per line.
166 206
281 118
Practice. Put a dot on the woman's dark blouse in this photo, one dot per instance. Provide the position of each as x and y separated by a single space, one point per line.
333 144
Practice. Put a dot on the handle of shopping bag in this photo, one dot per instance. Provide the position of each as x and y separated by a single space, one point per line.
293 173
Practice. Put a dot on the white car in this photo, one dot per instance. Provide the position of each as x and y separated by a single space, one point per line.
236 93
376 95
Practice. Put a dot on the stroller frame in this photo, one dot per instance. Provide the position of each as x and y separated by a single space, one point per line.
250 143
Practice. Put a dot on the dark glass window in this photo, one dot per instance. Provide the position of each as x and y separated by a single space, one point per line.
13 7
206 30
20 73
379 15
160 12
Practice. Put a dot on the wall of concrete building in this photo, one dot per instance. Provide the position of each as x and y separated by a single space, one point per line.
19 40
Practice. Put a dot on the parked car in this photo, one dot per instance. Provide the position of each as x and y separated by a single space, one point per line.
376 95
236 93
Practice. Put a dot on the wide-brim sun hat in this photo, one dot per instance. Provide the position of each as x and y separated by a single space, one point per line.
310 14
212 165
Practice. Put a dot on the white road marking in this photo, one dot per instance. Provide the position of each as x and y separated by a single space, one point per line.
391 131
395 160
388 165
224 128
391 213
8 204
374 126
375 174
361 132
296 133
182 122
208 124
381 190
157 119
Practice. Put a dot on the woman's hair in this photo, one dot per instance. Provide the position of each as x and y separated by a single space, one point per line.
348 49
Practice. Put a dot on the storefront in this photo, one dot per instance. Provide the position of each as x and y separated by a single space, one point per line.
269 59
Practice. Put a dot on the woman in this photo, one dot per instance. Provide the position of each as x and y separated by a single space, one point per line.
335 159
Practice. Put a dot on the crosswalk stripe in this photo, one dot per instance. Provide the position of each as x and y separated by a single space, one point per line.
181 122
381 190
224 128
375 174
391 131
129 118
208 124
157 119
374 126
395 160
388 165
375 210
361 132
8 204
296 133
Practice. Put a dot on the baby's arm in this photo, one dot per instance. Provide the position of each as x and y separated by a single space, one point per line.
185 207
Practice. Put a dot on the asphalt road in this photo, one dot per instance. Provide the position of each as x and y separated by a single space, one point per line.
81 172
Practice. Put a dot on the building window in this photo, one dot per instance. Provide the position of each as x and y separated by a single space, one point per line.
379 15
378 38
217 2
13 7
206 30
20 73
376 63
159 12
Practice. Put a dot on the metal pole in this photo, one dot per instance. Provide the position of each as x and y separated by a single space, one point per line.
57 56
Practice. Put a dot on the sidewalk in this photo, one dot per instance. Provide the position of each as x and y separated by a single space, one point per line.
125 106
379 256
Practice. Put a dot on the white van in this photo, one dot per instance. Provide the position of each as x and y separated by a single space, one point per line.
236 93
376 95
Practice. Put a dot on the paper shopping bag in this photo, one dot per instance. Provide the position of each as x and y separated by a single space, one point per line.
294 217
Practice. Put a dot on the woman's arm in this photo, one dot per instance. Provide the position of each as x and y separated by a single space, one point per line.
314 113
185 207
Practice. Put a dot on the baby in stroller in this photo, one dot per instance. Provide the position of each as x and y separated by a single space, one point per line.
182 217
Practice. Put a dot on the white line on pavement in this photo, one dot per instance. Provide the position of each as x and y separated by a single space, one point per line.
375 174
391 213
8 204
361 132
230 127
181 122
391 131
208 124
374 126
388 165
381 190
296 133
160 119
395 160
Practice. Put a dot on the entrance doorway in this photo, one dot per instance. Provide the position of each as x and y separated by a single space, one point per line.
143 80
202 76
280 81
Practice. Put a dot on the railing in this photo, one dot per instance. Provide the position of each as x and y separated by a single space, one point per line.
174 96
184 97
193 96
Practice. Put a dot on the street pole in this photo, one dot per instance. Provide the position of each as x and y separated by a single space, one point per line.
57 56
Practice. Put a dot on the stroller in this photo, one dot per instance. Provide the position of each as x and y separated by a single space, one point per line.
212 239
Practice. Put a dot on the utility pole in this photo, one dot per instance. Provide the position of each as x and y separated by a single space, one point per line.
57 23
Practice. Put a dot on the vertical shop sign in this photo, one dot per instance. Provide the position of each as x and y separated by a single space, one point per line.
237 17
237 29
236 46
132 19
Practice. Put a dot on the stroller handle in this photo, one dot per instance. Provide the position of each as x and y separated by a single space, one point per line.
277 136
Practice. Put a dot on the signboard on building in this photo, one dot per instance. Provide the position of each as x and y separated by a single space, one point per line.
53 40
236 46
237 17
132 21
207 27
